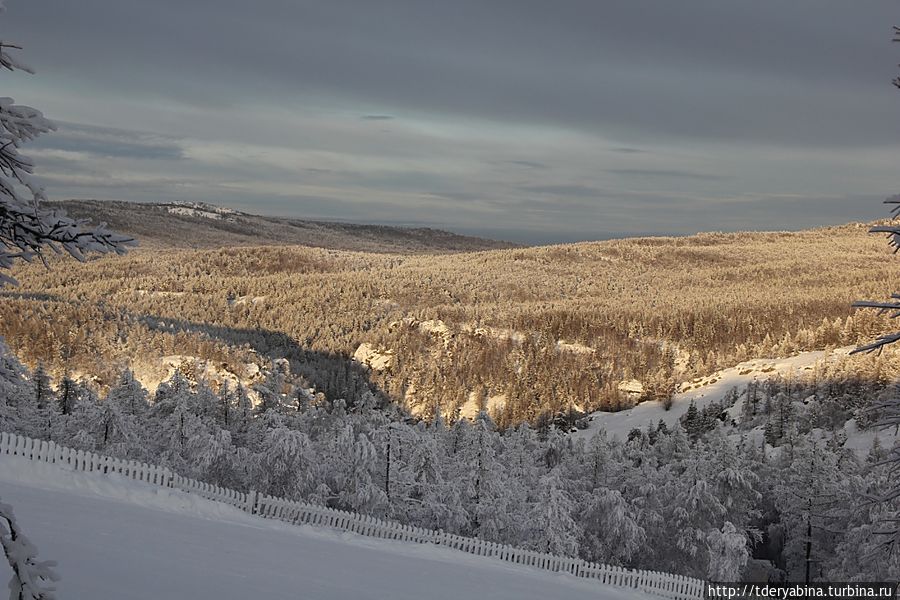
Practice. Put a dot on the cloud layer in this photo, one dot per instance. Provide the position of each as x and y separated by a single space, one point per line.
536 121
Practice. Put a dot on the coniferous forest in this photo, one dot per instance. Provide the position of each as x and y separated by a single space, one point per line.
682 499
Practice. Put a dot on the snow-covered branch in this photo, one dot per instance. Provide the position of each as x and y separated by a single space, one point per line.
31 578
26 229
897 39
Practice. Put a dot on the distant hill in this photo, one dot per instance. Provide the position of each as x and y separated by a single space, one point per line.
200 225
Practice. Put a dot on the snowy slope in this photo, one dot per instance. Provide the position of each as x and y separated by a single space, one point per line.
118 539
702 392
714 387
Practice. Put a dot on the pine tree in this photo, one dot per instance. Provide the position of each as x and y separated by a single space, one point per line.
66 395
351 465
271 392
691 421
128 395
422 495
812 499
288 463
552 528
772 432
891 408
610 528
485 487
728 553
43 394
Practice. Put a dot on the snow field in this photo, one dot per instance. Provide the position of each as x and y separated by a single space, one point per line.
118 539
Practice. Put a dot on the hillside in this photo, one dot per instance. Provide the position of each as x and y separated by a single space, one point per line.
815 382
530 332
195 225
118 539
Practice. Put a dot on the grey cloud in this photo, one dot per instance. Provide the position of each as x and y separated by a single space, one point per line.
627 150
761 71
667 173
528 164
109 142
459 195
581 191
377 117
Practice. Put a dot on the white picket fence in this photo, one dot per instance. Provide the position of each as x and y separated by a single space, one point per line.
666 585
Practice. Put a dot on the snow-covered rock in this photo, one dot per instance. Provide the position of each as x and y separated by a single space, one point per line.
151 373
632 388
377 360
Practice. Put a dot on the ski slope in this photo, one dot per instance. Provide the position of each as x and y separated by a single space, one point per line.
117 539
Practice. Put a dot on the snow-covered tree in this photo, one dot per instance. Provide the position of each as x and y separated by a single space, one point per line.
41 382
211 455
486 490
27 229
424 497
813 499
128 395
727 553
288 462
32 579
551 526
351 463
891 407
870 548
611 532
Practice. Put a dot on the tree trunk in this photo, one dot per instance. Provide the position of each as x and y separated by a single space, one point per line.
387 470
808 541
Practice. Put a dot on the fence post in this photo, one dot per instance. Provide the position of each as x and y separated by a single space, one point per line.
250 507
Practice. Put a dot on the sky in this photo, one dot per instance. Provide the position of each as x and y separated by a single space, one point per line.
526 120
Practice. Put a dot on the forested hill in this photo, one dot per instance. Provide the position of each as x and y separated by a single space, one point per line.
196 225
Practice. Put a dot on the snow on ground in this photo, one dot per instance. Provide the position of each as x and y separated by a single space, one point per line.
702 391
245 300
574 347
117 539
159 294
193 212
200 209
862 440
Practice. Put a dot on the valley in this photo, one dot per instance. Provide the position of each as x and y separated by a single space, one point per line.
536 397
501 300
